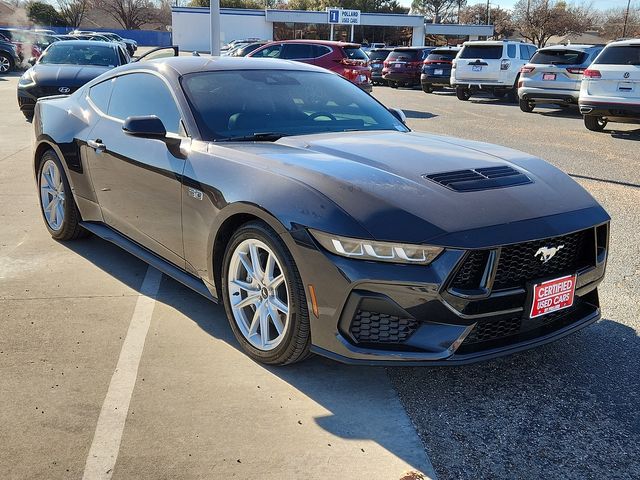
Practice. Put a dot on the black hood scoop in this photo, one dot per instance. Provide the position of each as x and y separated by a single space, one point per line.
477 179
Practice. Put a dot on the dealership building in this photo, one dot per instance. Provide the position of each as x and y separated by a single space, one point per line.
191 27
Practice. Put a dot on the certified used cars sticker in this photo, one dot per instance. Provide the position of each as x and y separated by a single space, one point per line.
553 295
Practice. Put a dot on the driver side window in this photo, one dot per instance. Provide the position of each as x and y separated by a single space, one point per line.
144 94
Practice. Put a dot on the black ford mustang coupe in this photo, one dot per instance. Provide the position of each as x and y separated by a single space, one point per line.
317 217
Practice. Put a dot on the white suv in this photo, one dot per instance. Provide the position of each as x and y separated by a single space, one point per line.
610 89
491 66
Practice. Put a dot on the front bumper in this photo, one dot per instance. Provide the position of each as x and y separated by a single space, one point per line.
480 85
611 110
564 97
374 313
27 97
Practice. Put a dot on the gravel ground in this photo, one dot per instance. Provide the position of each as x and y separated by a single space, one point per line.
569 409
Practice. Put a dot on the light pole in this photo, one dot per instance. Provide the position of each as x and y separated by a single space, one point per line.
215 26
626 19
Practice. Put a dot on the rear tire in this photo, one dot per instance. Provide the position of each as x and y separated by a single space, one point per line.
526 106
427 88
57 205
269 315
463 94
393 84
594 123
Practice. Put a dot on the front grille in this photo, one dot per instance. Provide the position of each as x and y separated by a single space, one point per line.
375 327
47 91
499 328
519 263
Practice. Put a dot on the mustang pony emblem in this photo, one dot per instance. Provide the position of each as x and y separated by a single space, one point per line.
547 253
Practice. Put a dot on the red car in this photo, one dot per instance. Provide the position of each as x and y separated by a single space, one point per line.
403 66
346 59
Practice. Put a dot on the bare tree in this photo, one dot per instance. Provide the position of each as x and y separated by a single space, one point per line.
438 10
500 18
130 14
72 11
539 20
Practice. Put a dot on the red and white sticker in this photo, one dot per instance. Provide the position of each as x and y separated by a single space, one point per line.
553 295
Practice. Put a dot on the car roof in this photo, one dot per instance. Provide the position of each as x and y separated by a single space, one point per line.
412 48
86 42
322 42
571 46
449 48
184 65
632 41
494 42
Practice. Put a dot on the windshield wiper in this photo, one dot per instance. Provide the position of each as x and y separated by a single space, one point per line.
256 137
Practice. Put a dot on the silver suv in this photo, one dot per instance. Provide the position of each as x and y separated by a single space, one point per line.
554 75
491 66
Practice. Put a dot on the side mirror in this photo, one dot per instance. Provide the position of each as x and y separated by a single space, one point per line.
148 126
399 114
32 61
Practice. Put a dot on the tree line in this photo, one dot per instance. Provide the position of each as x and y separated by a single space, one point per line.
533 20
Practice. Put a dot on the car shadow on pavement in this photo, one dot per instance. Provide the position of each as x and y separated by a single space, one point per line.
633 135
353 396
418 114
565 410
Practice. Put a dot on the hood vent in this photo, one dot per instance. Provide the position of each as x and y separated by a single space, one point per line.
480 178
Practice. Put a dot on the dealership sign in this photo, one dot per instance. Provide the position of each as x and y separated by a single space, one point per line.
345 17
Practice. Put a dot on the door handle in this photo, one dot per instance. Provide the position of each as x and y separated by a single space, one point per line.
97 145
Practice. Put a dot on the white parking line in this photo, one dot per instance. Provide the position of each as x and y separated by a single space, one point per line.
108 435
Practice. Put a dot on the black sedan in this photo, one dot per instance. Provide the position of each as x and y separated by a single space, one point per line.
319 220
64 67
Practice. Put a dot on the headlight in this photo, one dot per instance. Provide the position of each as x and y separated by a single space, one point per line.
27 80
378 251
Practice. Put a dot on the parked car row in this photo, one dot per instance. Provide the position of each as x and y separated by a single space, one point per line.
603 81
29 44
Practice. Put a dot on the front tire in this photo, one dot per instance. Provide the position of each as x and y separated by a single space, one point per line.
463 94
594 123
57 205
6 63
427 88
264 296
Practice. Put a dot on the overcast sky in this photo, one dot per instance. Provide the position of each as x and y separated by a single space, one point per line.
600 4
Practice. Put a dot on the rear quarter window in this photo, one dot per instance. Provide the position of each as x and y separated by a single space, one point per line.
489 52
355 53
559 57
620 55
100 95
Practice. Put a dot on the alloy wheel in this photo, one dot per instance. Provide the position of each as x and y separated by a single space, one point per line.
52 196
5 64
258 294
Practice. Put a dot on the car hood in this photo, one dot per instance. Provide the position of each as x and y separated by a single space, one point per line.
65 75
378 178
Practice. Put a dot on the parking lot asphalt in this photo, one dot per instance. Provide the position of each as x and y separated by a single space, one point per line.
569 409
201 409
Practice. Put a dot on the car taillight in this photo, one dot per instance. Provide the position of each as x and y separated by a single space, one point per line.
588 73
385 64
350 62
575 70
505 64
527 69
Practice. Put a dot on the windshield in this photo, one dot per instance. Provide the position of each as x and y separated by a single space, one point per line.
237 103
488 52
69 54
620 55
559 57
